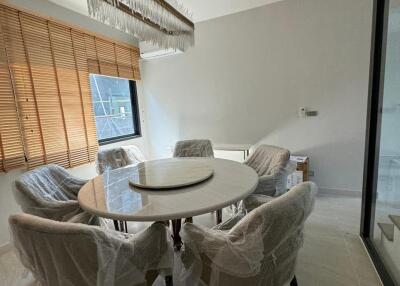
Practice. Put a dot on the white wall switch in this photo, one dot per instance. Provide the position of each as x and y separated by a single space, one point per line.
302 112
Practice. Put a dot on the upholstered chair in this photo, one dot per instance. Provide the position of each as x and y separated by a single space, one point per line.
51 192
64 254
259 249
270 163
113 158
194 148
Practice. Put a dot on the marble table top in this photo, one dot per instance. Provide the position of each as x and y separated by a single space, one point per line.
111 196
166 174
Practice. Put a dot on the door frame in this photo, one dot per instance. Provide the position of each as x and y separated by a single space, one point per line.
373 131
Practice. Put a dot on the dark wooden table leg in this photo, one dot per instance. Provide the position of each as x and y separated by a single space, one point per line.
176 227
116 225
121 226
168 280
219 216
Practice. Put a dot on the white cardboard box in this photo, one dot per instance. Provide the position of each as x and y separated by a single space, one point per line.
294 178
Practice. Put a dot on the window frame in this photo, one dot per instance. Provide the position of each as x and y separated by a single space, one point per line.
135 116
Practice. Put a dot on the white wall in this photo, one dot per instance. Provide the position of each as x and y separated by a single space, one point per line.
248 74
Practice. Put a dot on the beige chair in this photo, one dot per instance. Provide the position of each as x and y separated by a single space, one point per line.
194 148
76 254
113 158
118 157
51 192
260 249
270 163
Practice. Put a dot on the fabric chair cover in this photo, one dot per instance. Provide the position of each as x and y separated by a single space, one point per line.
59 253
253 201
260 249
113 158
51 192
272 166
194 148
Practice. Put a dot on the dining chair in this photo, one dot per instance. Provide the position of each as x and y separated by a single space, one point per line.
272 165
64 254
259 249
196 148
118 157
193 148
51 192
113 158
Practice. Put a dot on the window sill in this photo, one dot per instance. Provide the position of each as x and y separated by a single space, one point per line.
118 139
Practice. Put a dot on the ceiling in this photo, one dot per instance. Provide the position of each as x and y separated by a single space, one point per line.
201 9
207 9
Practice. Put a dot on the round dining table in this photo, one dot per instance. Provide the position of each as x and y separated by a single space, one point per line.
208 184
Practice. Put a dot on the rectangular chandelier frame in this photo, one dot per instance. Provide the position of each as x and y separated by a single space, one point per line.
164 23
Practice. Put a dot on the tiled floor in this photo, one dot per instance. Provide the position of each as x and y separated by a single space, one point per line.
332 254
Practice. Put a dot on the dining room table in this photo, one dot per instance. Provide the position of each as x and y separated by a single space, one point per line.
167 190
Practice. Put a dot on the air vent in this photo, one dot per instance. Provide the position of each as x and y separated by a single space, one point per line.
149 51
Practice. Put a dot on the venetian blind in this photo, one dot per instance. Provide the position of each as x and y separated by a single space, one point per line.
111 59
45 99
11 144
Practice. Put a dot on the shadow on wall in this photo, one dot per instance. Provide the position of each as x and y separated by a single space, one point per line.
334 144
171 121
325 158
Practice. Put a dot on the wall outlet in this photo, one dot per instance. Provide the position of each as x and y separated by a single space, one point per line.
302 112
311 173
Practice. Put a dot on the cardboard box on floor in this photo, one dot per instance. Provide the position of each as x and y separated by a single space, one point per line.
302 171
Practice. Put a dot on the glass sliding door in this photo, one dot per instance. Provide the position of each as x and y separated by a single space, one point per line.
381 198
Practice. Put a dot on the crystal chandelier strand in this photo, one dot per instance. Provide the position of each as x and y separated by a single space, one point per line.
165 29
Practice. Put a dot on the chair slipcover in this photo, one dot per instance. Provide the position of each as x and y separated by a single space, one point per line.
51 192
272 165
253 201
194 148
113 158
260 249
59 253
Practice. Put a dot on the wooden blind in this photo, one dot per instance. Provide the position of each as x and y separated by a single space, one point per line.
24 92
111 59
11 147
45 98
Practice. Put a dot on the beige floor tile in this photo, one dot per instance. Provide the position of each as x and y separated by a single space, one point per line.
313 274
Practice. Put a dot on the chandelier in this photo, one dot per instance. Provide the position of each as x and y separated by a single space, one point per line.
164 23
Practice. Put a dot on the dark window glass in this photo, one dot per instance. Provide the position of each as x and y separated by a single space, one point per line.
115 108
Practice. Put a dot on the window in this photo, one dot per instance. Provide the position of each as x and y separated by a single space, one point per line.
115 108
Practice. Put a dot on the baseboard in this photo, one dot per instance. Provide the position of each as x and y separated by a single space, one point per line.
5 248
340 192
